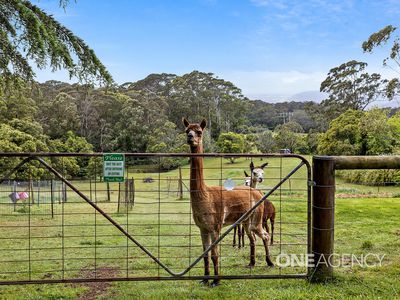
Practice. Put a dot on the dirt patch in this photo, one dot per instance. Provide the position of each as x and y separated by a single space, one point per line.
96 289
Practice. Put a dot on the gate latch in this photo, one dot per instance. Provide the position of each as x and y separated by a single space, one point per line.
311 183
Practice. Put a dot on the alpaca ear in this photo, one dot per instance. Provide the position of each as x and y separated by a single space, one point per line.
251 166
245 174
264 165
203 124
185 122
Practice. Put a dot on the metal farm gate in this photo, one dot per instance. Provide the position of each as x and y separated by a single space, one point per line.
60 222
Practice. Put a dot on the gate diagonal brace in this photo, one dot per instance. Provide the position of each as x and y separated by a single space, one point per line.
124 232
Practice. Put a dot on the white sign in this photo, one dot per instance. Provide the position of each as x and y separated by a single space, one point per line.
113 167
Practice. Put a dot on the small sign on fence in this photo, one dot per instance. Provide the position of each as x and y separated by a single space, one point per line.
113 167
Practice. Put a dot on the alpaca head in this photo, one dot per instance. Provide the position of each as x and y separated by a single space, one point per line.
247 179
257 173
194 132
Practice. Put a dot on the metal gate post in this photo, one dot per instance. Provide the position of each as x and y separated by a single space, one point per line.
323 210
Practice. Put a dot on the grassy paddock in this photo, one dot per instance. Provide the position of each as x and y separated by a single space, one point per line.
163 224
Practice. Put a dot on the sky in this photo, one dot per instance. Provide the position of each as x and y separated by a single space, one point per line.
271 49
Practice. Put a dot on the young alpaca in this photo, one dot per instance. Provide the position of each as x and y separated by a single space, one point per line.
214 207
257 176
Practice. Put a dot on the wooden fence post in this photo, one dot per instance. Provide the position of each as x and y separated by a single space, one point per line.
323 211
126 194
108 192
133 193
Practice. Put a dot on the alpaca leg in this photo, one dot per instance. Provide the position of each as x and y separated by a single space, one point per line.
252 240
242 235
234 236
206 241
239 227
265 237
272 220
215 257
265 225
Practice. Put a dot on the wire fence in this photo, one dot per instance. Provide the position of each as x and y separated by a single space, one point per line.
52 234
367 227
355 228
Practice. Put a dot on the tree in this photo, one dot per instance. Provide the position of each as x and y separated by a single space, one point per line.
378 131
302 117
14 140
166 139
360 133
344 136
250 143
266 142
202 95
292 126
28 34
349 87
60 115
71 166
381 38
230 142
312 141
288 139
320 114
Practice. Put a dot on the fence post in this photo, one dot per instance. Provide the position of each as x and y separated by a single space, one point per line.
119 196
52 197
108 192
180 187
126 193
133 192
31 191
323 211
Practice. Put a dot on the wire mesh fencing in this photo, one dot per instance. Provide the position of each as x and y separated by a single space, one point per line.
367 227
61 222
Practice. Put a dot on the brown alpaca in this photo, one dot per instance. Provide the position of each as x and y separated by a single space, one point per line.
214 207
257 176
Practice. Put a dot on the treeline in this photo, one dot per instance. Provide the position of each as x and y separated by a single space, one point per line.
145 116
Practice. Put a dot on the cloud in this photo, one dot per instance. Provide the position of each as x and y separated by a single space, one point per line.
297 15
276 3
266 82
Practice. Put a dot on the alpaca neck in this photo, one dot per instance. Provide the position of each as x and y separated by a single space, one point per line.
253 184
196 170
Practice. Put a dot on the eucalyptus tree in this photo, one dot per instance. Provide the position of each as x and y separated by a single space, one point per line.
380 39
202 95
350 87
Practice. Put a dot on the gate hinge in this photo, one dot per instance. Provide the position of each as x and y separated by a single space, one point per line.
311 183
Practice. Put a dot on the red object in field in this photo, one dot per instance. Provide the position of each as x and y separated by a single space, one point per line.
18 196
23 195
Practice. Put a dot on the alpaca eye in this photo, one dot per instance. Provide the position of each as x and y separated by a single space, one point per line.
199 132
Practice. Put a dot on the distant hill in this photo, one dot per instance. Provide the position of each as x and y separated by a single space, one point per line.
315 96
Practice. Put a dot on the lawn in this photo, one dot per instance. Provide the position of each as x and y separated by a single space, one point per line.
78 241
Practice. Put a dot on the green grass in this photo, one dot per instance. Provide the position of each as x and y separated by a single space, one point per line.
363 225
